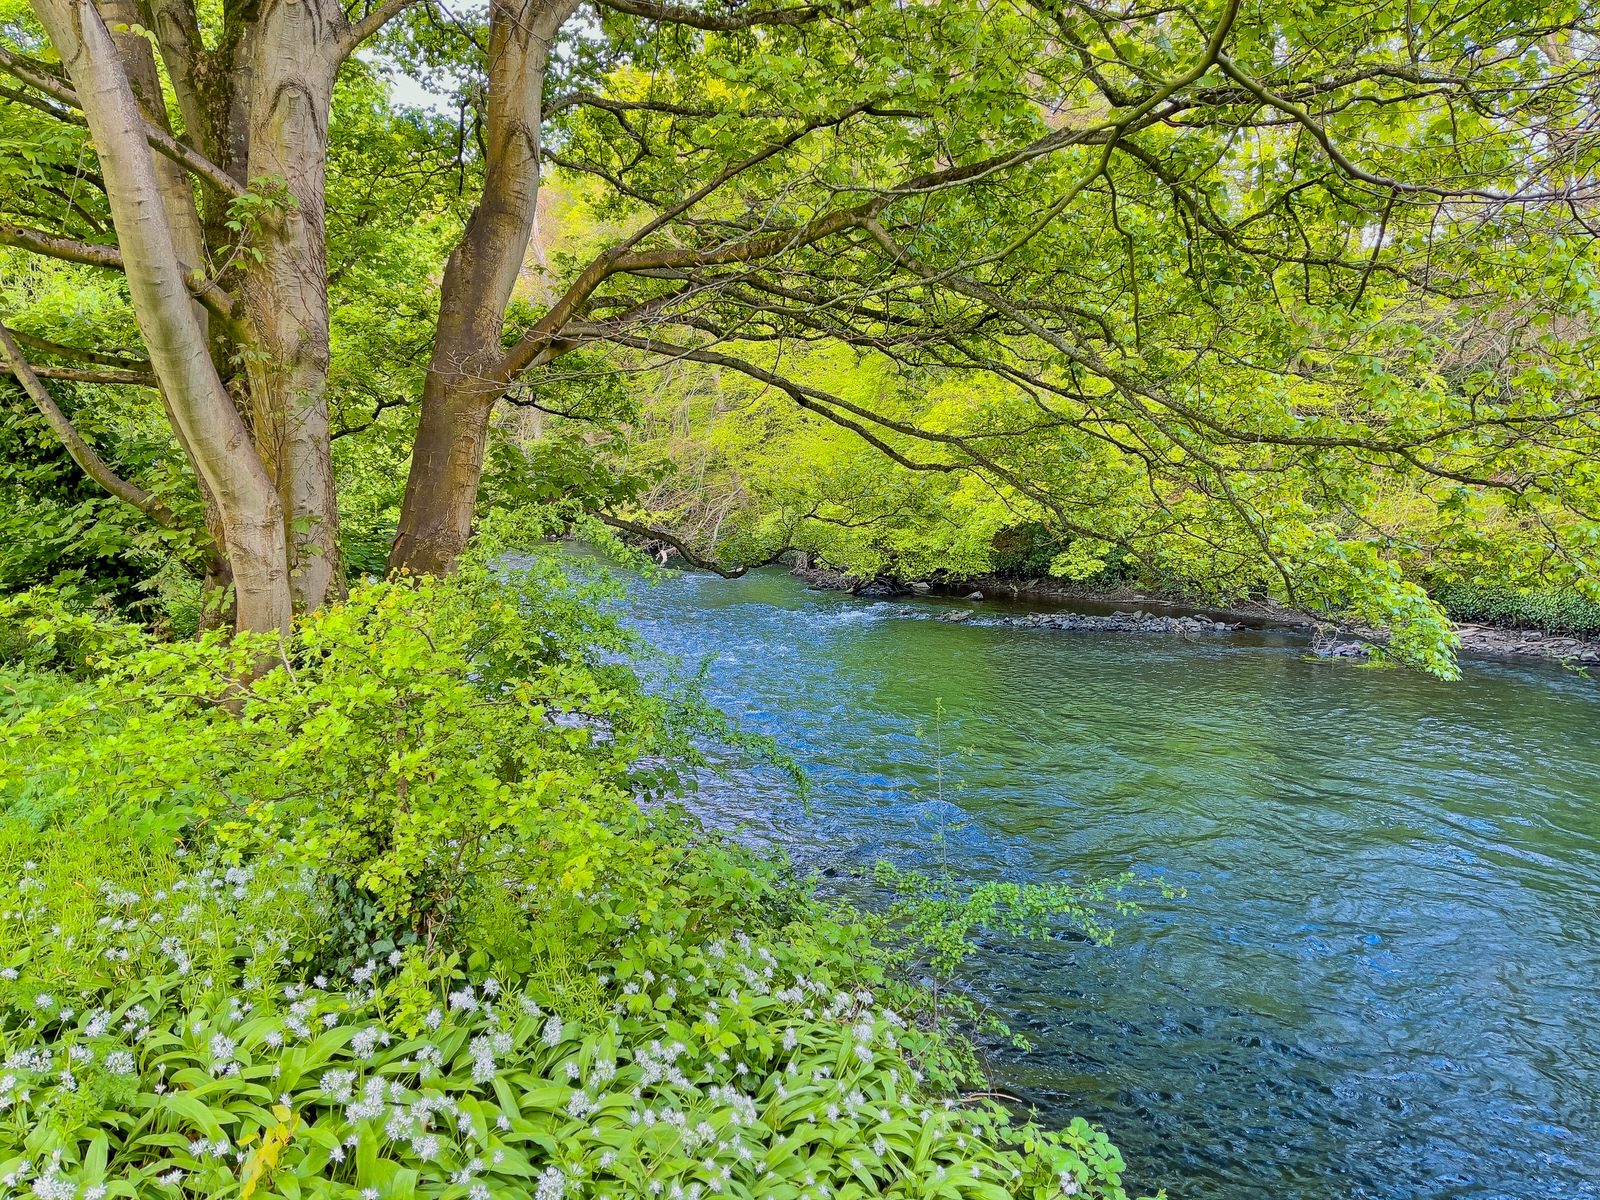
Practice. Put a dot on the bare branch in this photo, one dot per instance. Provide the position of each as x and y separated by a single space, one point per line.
36 241
93 254
125 360
690 556
84 375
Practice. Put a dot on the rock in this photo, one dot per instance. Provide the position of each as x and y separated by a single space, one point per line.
1117 622
878 589
974 596
920 588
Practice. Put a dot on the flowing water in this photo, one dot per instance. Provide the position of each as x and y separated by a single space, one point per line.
1384 977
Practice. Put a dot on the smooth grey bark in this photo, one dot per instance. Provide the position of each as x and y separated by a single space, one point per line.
296 47
203 413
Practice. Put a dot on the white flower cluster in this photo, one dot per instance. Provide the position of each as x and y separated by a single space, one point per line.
712 1064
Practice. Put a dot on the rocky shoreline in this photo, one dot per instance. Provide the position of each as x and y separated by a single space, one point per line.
1477 641
1137 621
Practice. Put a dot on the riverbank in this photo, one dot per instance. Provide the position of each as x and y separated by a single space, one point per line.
1141 612
495 974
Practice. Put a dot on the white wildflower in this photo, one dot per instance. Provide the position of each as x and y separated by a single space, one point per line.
552 1185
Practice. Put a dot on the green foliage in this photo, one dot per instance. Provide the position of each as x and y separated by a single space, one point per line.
935 919
1186 350
169 1049
1165 327
1554 610
50 629
265 202
418 739
58 528
389 921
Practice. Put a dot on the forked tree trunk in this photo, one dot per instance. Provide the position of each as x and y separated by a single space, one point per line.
204 416
272 111
466 371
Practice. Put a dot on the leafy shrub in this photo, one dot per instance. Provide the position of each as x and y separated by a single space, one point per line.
61 630
1032 551
419 739
366 550
1553 610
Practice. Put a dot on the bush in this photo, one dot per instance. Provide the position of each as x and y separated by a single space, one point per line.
1553 610
50 629
419 739
171 1050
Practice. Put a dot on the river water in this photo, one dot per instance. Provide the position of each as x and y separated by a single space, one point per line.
1384 977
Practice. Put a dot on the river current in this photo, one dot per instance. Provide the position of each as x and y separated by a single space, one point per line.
1383 977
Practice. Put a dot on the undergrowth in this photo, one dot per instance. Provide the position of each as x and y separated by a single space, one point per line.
413 915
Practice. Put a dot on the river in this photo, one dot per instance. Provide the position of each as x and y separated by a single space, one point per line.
1383 979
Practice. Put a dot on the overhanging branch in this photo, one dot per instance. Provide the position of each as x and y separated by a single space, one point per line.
688 553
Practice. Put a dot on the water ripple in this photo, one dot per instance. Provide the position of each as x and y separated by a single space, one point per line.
1382 982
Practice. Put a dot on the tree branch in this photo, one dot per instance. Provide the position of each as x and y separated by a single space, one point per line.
82 453
159 139
690 556
36 241
677 14
82 375
1304 119
130 362
360 31
94 254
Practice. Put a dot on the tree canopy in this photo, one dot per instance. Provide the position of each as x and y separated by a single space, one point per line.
1272 297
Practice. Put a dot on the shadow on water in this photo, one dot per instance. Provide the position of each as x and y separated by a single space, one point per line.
1384 979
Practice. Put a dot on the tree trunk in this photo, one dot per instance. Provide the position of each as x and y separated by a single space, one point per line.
466 373
251 517
258 105
296 56
446 466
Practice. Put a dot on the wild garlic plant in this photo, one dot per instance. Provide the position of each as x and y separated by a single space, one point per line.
181 1058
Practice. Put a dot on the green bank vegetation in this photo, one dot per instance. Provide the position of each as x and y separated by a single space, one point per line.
413 915
315 885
